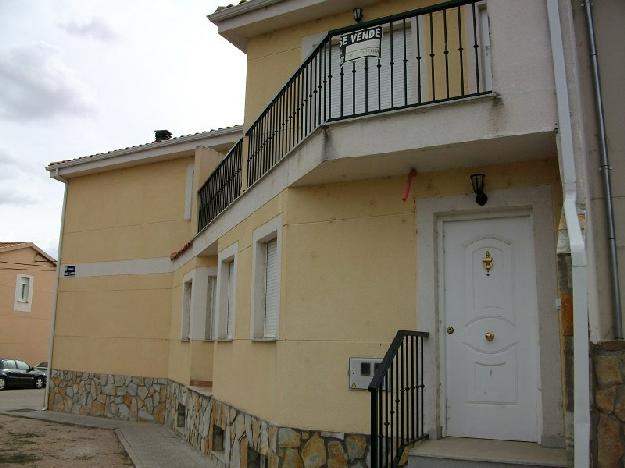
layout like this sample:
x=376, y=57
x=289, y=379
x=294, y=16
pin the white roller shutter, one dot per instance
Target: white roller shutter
x=230, y=307
x=272, y=294
x=210, y=308
x=379, y=88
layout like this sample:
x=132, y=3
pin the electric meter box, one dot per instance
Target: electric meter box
x=361, y=371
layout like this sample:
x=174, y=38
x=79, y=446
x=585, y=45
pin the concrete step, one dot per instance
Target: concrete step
x=455, y=452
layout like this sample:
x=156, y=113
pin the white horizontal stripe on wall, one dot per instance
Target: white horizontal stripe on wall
x=144, y=266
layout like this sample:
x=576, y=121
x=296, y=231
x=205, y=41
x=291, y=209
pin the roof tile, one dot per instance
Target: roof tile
x=145, y=146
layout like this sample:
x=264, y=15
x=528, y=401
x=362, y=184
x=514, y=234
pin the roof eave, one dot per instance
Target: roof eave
x=240, y=9
x=170, y=149
x=24, y=245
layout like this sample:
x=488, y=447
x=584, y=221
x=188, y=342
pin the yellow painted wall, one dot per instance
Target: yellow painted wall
x=120, y=324
x=25, y=335
x=129, y=213
x=130, y=324
x=348, y=284
x=114, y=324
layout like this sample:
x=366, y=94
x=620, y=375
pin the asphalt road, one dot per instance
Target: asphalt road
x=16, y=399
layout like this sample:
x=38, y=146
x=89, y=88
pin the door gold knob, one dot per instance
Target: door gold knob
x=490, y=336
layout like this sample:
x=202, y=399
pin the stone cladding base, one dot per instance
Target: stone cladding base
x=231, y=437
x=608, y=359
x=113, y=396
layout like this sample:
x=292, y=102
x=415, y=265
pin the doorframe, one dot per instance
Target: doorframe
x=537, y=201
x=509, y=213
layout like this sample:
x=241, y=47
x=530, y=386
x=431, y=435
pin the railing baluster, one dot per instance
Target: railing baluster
x=401, y=364
x=381, y=391
x=412, y=389
x=460, y=51
x=421, y=385
x=366, y=84
x=419, y=58
x=353, y=88
x=446, y=51
x=306, y=109
x=311, y=96
x=314, y=92
x=405, y=66
x=341, y=74
x=391, y=64
x=387, y=444
x=432, y=54
x=374, y=426
x=379, y=66
x=392, y=421
x=325, y=86
x=330, y=78
x=319, y=88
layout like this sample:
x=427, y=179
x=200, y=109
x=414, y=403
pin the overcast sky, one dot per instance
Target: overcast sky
x=79, y=77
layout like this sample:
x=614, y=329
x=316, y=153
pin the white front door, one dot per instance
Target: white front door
x=489, y=319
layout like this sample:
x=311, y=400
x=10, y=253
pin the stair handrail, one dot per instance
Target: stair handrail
x=387, y=447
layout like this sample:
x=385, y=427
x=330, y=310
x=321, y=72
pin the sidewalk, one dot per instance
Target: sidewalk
x=148, y=445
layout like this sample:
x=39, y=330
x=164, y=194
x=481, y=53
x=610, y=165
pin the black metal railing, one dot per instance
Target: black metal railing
x=428, y=55
x=397, y=399
x=222, y=187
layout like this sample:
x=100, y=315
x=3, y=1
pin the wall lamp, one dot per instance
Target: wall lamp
x=477, y=181
x=357, y=15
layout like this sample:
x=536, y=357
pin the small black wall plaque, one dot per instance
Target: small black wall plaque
x=70, y=270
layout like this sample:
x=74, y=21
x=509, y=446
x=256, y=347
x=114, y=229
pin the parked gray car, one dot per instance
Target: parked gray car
x=15, y=373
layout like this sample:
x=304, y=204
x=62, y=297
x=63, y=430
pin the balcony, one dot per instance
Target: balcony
x=429, y=56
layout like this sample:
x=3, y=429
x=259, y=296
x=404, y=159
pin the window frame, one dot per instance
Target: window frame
x=272, y=230
x=225, y=330
x=200, y=318
x=20, y=304
x=187, y=307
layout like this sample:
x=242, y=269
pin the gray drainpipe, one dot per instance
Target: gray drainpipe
x=57, y=176
x=605, y=177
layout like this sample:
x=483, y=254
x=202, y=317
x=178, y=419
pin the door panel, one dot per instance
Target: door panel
x=491, y=354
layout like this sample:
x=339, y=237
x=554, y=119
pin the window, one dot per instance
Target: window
x=23, y=293
x=8, y=364
x=266, y=280
x=229, y=299
x=226, y=293
x=485, y=50
x=187, y=291
x=211, y=283
x=272, y=288
x=198, y=303
x=21, y=365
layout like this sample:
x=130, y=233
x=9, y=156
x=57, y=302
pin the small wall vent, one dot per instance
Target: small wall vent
x=181, y=415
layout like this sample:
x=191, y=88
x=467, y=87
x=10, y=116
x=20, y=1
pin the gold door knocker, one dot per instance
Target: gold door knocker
x=489, y=335
x=487, y=262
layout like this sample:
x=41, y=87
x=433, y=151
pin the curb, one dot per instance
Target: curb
x=128, y=448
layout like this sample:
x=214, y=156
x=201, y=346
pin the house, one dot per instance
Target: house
x=411, y=207
x=27, y=279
